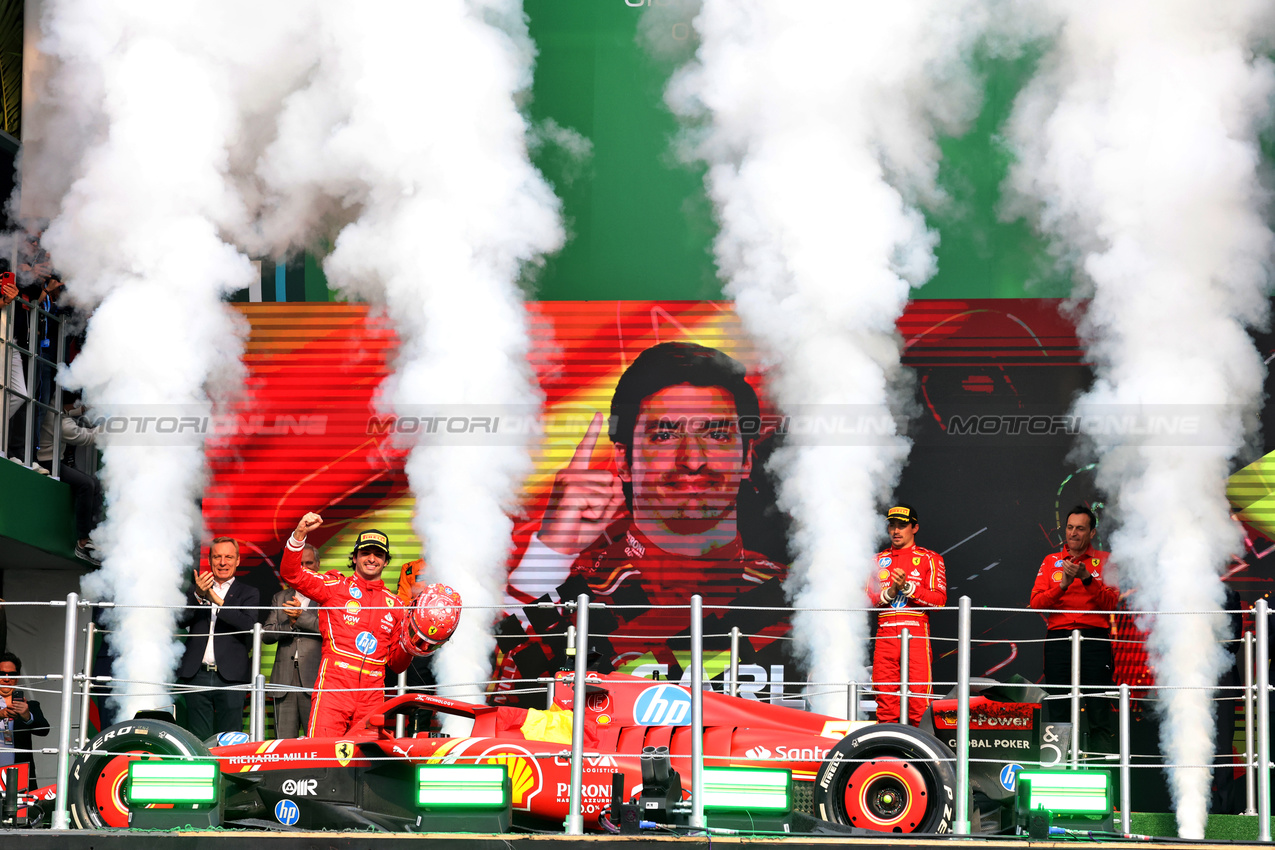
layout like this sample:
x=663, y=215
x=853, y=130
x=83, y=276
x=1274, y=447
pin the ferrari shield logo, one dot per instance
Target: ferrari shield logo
x=916, y=562
x=344, y=752
x=1094, y=561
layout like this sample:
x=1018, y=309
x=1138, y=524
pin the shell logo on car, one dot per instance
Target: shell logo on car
x=524, y=773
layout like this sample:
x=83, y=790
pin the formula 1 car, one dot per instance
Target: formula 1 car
x=881, y=777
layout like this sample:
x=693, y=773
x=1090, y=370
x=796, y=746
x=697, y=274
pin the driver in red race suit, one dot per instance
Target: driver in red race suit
x=365, y=628
x=908, y=578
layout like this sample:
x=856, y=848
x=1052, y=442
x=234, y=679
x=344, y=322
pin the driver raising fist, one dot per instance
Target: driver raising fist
x=364, y=627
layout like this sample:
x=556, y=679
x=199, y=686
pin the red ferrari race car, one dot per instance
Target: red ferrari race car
x=882, y=777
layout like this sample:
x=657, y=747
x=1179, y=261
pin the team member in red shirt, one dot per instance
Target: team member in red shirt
x=365, y=628
x=1070, y=581
x=909, y=578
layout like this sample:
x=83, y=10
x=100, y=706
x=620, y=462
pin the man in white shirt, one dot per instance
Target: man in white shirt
x=220, y=614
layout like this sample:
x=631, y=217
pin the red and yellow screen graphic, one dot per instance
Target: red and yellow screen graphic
x=309, y=434
x=670, y=498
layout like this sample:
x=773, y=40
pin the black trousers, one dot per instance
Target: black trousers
x=87, y=493
x=212, y=711
x=1096, y=667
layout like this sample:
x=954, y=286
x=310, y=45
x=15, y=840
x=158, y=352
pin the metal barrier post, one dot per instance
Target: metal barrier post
x=1250, y=790
x=1125, y=790
x=961, y=823
x=56, y=465
x=852, y=701
x=32, y=349
x=259, y=697
x=1075, y=697
x=1263, y=723
x=86, y=692
x=400, y=722
x=549, y=693
x=697, y=712
x=575, y=815
x=256, y=710
x=733, y=687
x=61, y=815
x=904, y=657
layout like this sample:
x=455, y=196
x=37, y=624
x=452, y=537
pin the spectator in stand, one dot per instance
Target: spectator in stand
x=20, y=719
x=16, y=382
x=84, y=485
x=47, y=342
x=294, y=624
x=216, y=658
x=20, y=358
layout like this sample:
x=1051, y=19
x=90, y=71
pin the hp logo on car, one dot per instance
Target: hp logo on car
x=287, y=812
x=1009, y=776
x=230, y=739
x=663, y=705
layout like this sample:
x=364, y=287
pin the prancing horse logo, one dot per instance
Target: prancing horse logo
x=344, y=752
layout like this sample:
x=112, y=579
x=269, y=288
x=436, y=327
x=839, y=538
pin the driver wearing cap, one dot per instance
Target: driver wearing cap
x=365, y=629
x=907, y=580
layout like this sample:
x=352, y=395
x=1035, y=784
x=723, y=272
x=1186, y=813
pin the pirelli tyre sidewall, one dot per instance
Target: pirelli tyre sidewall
x=136, y=736
x=887, y=778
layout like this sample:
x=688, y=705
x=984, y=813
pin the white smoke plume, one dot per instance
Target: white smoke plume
x=147, y=90
x=818, y=120
x=409, y=131
x=1138, y=142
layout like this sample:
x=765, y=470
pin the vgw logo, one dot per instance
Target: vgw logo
x=663, y=705
x=286, y=812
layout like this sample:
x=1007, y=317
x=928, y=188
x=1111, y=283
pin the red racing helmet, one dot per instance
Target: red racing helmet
x=431, y=619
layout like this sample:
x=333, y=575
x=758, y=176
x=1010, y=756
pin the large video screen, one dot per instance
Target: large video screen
x=309, y=435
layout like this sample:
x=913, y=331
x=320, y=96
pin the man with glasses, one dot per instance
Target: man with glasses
x=20, y=719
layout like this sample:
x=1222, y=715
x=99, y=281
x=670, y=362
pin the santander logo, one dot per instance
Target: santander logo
x=758, y=753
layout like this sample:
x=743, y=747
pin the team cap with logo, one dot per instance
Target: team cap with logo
x=373, y=539
x=903, y=513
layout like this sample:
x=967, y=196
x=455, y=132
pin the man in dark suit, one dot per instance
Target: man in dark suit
x=19, y=719
x=220, y=616
x=294, y=623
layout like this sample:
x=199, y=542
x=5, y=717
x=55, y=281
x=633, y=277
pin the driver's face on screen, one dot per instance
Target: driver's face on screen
x=688, y=459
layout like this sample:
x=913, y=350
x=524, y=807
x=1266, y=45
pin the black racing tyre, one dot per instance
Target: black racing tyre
x=888, y=778
x=95, y=787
